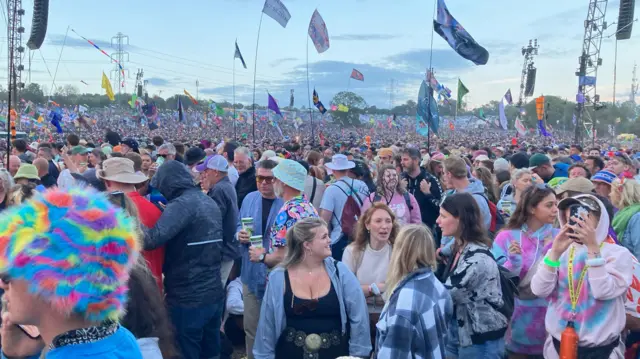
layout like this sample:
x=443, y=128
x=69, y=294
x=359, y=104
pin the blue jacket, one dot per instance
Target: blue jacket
x=254, y=275
x=414, y=322
x=353, y=308
x=120, y=345
x=224, y=194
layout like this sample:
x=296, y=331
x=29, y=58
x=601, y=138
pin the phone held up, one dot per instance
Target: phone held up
x=579, y=211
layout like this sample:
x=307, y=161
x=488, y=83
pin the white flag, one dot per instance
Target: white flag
x=503, y=117
x=520, y=127
x=277, y=11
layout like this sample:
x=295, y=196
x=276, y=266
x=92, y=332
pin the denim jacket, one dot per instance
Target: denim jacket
x=254, y=275
x=353, y=308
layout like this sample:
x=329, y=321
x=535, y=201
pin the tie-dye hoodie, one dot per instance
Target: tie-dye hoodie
x=600, y=312
x=526, y=333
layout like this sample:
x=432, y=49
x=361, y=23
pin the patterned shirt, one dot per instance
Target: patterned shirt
x=293, y=210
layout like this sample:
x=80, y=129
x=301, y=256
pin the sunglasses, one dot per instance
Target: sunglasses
x=163, y=156
x=265, y=179
x=5, y=278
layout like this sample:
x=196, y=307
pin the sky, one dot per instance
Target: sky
x=179, y=43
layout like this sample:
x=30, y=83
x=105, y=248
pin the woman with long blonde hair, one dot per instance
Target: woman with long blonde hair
x=312, y=306
x=625, y=196
x=417, y=325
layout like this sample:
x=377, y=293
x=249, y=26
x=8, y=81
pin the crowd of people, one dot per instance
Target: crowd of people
x=152, y=248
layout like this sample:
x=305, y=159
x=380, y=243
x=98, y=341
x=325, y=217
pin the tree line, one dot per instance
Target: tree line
x=624, y=116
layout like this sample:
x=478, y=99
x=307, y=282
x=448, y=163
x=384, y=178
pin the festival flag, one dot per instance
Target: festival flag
x=55, y=117
x=503, y=116
x=357, y=75
x=273, y=105
x=522, y=130
x=343, y=108
x=451, y=126
x=134, y=97
x=457, y=37
x=84, y=82
x=508, y=97
x=318, y=32
x=334, y=108
x=317, y=103
x=104, y=53
x=153, y=126
x=540, y=112
x=238, y=55
x=195, y=102
x=55, y=104
x=180, y=110
x=291, y=99
x=481, y=113
x=276, y=10
x=462, y=90
x=427, y=111
x=106, y=85
x=573, y=119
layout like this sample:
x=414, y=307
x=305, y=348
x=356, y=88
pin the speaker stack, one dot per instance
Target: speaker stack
x=531, y=82
x=625, y=19
x=39, y=24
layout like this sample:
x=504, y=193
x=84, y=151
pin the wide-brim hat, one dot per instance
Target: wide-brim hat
x=340, y=163
x=121, y=170
x=578, y=184
x=27, y=171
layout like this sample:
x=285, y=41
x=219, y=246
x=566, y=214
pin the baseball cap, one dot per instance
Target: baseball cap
x=578, y=184
x=604, y=176
x=215, y=162
x=80, y=150
x=538, y=159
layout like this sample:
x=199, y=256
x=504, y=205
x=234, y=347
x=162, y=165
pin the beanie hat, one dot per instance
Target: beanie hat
x=75, y=250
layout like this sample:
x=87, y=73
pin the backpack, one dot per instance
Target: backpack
x=509, y=286
x=350, y=212
x=497, y=219
x=407, y=200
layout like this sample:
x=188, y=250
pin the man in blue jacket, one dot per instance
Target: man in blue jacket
x=262, y=206
x=191, y=229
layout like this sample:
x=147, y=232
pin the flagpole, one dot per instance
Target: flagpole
x=435, y=7
x=348, y=83
x=234, y=93
x=313, y=139
x=255, y=70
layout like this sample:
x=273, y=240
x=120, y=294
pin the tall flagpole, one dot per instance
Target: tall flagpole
x=313, y=138
x=234, y=93
x=255, y=70
x=429, y=93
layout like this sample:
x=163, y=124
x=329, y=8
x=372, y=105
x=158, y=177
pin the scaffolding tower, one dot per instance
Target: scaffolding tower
x=587, y=73
x=119, y=42
x=529, y=52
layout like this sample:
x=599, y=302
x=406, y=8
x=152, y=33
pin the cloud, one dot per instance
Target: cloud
x=281, y=61
x=418, y=60
x=364, y=37
x=156, y=81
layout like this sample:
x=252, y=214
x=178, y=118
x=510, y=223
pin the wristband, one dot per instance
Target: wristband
x=374, y=288
x=551, y=263
x=596, y=262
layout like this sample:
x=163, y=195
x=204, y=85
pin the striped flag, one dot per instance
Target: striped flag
x=190, y=97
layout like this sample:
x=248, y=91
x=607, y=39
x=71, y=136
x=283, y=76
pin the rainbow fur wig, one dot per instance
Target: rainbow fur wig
x=74, y=248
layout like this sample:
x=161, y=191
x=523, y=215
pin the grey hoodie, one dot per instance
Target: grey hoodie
x=476, y=189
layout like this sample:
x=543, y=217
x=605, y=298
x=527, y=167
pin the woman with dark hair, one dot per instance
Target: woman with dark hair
x=146, y=317
x=473, y=279
x=392, y=192
x=520, y=247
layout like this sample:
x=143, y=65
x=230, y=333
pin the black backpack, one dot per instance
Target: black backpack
x=509, y=286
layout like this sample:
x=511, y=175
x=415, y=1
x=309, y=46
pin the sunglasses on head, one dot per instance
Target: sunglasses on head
x=265, y=179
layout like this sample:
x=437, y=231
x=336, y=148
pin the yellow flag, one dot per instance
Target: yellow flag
x=106, y=85
x=343, y=108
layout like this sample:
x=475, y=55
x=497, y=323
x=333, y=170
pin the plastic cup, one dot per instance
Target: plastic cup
x=256, y=241
x=247, y=225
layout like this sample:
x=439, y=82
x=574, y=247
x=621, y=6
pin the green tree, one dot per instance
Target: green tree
x=354, y=102
x=33, y=92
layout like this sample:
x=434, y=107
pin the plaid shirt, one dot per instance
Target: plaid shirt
x=414, y=322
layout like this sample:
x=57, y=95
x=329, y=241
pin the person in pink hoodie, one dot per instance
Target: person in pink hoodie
x=392, y=192
x=585, y=280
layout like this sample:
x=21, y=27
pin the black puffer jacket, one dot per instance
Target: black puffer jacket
x=429, y=203
x=246, y=184
x=191, y=228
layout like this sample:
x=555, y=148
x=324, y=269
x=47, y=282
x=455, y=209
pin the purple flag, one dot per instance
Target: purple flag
x=508, y=97
x=273, y=105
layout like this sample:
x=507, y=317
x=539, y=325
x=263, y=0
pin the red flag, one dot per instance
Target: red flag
x=357, y=75
x=451, y=126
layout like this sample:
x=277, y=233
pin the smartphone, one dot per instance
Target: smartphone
x=30, y=330
x=577, y=210
x=160, y=161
